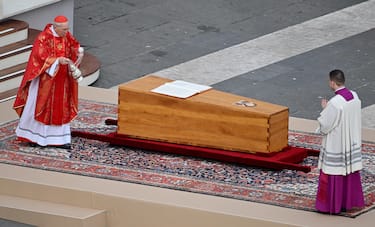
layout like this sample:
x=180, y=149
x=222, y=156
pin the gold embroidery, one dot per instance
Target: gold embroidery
x=59, y=46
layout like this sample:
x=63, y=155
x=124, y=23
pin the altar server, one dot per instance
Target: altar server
x=340, y=159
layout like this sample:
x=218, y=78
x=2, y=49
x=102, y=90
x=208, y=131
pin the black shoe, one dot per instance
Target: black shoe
x=31, y=144
x=66, y=146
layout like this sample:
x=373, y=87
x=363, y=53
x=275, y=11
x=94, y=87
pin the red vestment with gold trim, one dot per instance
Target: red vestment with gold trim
x=57, y=98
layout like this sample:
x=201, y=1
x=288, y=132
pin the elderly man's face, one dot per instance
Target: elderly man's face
x=62, y=28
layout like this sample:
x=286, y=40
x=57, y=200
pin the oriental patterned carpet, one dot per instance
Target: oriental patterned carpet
x=286, y=188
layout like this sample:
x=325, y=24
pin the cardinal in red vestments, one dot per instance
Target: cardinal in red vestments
x=47, y=99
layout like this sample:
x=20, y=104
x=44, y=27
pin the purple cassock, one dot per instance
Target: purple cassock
x=338, y=193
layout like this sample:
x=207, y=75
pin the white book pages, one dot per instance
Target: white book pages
x=188, y=85
x=180, y=89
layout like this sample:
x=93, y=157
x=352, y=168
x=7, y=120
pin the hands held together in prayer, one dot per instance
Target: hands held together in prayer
x=324, y=103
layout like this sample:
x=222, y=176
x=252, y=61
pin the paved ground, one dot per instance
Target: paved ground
x=6, y=223
x=262, y=49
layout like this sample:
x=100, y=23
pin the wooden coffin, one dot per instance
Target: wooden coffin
x=208, y=119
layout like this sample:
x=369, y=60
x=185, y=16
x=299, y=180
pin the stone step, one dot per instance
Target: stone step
x=12, y=31
x=10, y=78
x=90, y=68
x=17, y=52
x=47, y=214
x=8, y=94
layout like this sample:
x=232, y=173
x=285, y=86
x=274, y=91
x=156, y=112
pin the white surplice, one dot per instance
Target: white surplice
x=340, y=123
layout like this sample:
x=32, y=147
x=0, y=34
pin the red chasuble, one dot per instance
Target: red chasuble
x=57, y=98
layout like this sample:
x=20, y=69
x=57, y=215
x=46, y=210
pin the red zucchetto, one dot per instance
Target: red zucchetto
x=61, y=19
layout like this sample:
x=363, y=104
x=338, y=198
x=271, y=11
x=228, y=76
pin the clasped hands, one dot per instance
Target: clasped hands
x=323, y=103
